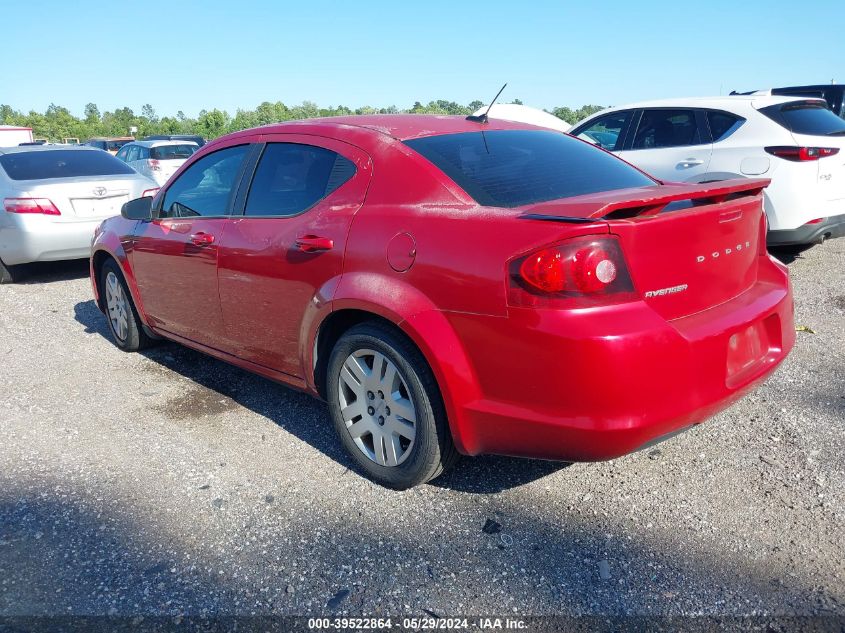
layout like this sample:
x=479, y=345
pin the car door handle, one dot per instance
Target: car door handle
x=314, y=243
x=690, y=162
x=202, y=239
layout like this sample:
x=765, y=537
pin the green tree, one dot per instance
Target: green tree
x=212, y=124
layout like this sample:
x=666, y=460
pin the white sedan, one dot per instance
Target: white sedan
x=157, y=160
x=797, y=142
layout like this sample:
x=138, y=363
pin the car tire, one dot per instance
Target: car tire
x=122, y=316
x=7, y=273
x=371, y=369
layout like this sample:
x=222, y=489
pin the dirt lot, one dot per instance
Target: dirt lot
x=170, y=483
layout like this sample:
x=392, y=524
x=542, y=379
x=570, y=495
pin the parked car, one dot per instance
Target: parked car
x=524, y=114
x=53, y=198
x=196, y=138
x=449, y=286
x=833, y=94
x=794, y=142
x=157, y=160
x=110, y=145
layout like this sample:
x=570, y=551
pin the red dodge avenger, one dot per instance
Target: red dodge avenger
x=455, y=286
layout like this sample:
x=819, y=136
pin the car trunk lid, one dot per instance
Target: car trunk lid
x=688, y=247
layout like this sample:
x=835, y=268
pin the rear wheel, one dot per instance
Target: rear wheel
x=7, y=273
x=124, y=323
x=386, y=407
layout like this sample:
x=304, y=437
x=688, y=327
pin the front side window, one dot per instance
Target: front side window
x=205, y=189
x=512, y=168
x=606, y=131
x=291, y=178
x=666, y=128
x=61, y=163
x=723, y=124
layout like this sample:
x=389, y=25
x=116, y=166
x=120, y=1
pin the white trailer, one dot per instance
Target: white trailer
x=12, y=136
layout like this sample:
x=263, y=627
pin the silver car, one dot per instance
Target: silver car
x=157, y=160
x=53, y=199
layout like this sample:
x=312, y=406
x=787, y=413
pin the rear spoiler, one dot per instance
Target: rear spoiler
x=668, y=197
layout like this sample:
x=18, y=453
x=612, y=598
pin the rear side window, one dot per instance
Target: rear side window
x=113, y=146
x=291, y=178
x=511, y=168
x=62, y=163
x=666, y=128
x=606, y=131
x=806, y=117
x=723, y=124
x=205, y=189
x=167, y=152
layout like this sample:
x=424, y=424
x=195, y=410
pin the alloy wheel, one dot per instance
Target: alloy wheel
x=377, y=407
x=117, y=305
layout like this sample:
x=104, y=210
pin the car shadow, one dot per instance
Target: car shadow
x=788, y=254
x=300, y=414
x=50, y=272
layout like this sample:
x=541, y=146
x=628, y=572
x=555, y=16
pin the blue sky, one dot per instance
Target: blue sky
x=185, y=55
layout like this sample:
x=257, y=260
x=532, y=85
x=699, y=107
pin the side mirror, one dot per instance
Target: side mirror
x=138, y=209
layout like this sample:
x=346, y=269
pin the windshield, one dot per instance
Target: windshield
x=62, y=163
x=806, y=117
x=167, y=152
x=512, y=168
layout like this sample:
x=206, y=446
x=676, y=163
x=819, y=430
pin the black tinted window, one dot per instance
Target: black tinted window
x=511, y=168
x=166, y=152
x=666, y=128
x=606, y=131
x=113, y=146
x=62, y=163
x=290, y=178
x=206, y=187
x=806, y=118
x=722, y=124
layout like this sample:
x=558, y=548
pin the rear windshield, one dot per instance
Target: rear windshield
x=806, y=118
x=511, y=168
x=166, y=152
x=62, y=163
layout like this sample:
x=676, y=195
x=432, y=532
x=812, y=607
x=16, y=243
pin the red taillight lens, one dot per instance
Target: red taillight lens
x=816, y=221
x=580, y=271
x=150, y=193
x=801, y=154
x=30, y=205
x=154, y=164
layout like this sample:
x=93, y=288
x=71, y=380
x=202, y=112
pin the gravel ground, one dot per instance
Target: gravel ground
x=169, y=483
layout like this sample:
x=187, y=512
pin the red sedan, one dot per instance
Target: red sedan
x=455, y=286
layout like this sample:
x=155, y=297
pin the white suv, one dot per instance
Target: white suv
x=796, y=142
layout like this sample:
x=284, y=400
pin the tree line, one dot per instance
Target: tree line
x=58, y=123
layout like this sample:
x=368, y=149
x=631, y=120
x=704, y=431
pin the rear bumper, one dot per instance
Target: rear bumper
x=603, y=383
x=828, y=228
x=36, y=239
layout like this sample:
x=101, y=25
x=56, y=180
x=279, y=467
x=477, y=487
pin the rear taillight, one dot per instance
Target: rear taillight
x=150, y=193
x=154, y=164
x=576, y=273
x=30, y=205
x=801, y=154
x=816, y=221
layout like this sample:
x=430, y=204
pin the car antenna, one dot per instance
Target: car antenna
x=482, y=118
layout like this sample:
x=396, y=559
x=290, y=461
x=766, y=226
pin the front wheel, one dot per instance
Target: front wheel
x=386, y=407
x=124, y=323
